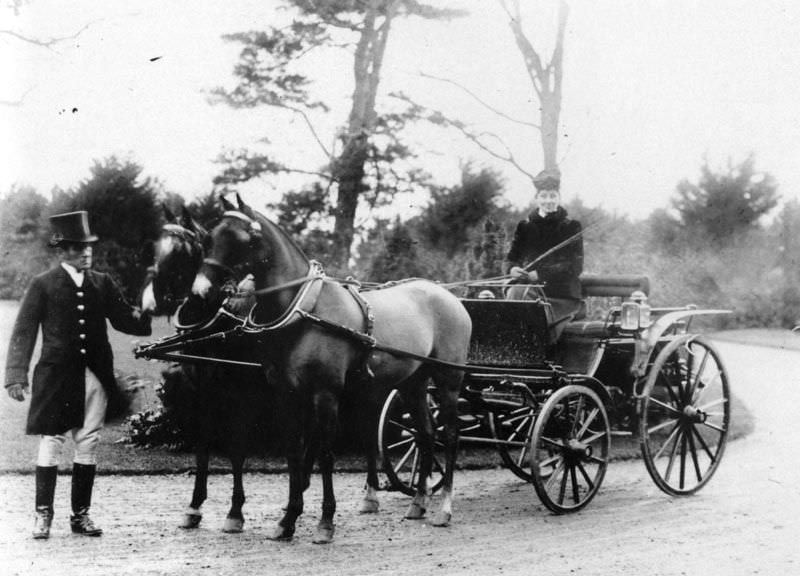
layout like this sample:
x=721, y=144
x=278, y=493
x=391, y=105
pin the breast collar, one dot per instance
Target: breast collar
x=305, y=300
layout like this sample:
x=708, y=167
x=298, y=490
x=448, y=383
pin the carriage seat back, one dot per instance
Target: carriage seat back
x=620, y=285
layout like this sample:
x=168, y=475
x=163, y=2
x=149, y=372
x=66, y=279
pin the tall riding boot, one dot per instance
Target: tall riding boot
x=45, y=491
x=82, y=484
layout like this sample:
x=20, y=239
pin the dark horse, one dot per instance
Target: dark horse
x=309, y=327
x=222, y=405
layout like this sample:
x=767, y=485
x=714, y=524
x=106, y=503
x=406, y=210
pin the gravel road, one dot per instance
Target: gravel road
x=744, y=522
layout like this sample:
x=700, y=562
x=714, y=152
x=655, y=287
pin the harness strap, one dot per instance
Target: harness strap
x=369, y=319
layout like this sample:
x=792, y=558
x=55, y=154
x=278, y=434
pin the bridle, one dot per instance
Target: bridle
x=195, y=250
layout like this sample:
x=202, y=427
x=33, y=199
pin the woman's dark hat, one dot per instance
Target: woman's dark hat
x=71, y=227
x=549, y=179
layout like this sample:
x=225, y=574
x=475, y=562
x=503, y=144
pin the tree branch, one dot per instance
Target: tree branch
x=44, y=43
x=481, y=102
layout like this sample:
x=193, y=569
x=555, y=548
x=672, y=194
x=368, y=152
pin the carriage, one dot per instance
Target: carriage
x=548, y=392
x=552, y=405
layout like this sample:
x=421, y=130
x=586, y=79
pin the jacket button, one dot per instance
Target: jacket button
x=81, y=321
x=80, y=294
x=81, y=307
x=82, y=336
x=83, y=351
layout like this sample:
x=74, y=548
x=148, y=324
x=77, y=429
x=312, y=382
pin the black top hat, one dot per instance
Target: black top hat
x=548, y=180
x=71, y=227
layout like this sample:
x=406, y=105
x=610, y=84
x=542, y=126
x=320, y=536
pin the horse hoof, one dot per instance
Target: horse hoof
x=233, y=525
x=369, y=506
x=191, y=519
x=324, y=535
x=281, y=534
x=415, y=512
x=441, y=519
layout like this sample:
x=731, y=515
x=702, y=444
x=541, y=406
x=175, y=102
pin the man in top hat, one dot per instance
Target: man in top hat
x=74, y=377
x=546, y=227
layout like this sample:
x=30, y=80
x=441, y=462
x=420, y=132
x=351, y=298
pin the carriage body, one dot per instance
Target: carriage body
x=551, y=404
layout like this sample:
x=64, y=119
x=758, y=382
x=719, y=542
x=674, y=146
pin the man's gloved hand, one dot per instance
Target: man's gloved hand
x=17, y=391
x=518, y=272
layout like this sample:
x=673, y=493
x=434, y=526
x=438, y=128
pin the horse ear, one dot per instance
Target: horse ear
x=186, y=218
x=226, y=204
x=244, y=208
x=168, y=213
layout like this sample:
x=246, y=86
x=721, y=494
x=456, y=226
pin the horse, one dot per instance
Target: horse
x=222, y=404
x=317, y=335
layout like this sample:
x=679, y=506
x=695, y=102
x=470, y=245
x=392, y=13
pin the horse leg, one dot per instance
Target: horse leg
x=370, y=504
x=193, y=515
x=326, y=409
x=293, y=424
x=449, y=385
x=416, y=392
x=234, y=522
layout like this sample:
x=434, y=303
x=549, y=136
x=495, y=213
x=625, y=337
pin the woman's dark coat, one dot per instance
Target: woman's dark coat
x=74, y=337
x=560, y=270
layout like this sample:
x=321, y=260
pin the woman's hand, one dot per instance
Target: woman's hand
x=518, y=272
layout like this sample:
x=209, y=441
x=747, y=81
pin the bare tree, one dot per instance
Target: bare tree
x=545, y=76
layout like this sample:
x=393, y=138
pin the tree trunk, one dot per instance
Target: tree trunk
x=546, y=80
x=349, y=169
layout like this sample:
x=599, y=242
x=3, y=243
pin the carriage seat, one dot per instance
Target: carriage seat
x=603, y=286
x=613, y=285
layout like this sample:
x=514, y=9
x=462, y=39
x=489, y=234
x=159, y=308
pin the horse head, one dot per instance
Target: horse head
x=248, y=251
x=178, y=255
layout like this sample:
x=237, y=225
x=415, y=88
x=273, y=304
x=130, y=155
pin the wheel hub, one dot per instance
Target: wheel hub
x=693, y=414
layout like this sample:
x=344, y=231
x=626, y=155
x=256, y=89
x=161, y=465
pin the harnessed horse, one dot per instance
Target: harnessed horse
x=225, y=403
x=317, y=335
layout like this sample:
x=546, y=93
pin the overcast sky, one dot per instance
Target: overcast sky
x=651, y=89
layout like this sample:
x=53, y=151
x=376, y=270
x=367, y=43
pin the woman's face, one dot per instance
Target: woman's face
x=548, y=201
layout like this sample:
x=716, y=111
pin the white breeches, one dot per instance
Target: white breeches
x=87, y=437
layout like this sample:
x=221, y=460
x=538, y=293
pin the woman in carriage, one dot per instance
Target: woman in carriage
x=534, y=258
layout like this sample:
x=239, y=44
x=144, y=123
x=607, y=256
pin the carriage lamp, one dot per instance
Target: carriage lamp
x=635, y=313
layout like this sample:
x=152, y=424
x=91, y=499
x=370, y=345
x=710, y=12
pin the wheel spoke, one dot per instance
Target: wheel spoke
x=403, y=427
x=578, y=412
x=588, y=422
x=556, y=472
x=699, y=373
x=585, y=476
x=672, y=454
x=683, y=461
x=403, y=442
x=574, y=478
x=523, y=451
x=594, y=437
x=668, y=386
x=707, y=385
x=712, y=457
x=672, y=409
x=668, y=440
x=711, y=404
x=548, y=461
x=664, y=424
x=562, y=490
x=552, y=442
x=719, y=429
x=695, y=461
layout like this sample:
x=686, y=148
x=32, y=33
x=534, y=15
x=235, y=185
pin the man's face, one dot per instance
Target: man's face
x=548, y=200
x=77, y=255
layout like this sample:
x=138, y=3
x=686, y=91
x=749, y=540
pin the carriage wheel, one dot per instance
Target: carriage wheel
x=513, y=429
x=399, y=450
x=569, y=448
x=684, y=415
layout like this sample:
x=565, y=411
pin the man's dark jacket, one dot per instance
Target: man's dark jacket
x=560, y=270
x=74, y=337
